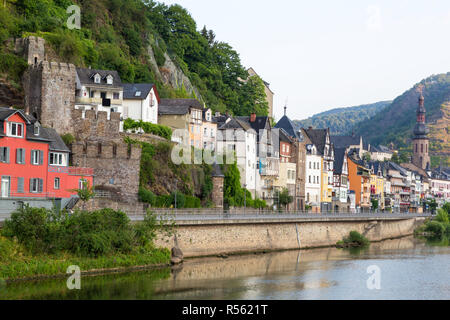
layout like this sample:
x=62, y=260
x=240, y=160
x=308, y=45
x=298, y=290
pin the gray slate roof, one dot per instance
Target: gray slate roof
x=130, y=90
x=46, y=135
x=86, y=77
x=339, y=155
x=345, y=141
x=178, y=106
x=286, y=124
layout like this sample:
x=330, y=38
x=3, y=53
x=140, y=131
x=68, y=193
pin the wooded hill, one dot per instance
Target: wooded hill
x=339, y=120
x=145, y=41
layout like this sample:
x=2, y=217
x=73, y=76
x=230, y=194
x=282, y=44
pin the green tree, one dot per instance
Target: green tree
x=283, y=197
x=233, y=192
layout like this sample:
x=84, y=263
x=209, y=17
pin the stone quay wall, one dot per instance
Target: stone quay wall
x=197, y=239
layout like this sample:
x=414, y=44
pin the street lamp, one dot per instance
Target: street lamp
x=245, y=197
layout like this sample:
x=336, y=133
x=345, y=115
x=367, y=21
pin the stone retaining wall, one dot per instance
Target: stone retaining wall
x=215, y=239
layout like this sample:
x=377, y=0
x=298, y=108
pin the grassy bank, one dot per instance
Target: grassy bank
x=39, y=242
x=439, y=227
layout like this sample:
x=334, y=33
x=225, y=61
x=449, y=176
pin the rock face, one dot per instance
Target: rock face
x=10, y=96
x=177, y=256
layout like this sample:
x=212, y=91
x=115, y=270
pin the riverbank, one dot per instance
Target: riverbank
x=20, y=265
x=37, y=243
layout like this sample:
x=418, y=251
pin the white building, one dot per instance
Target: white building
x=209, y=131
x=140, y=102
x=98, y=90
x=237, y=137
x=313, y=177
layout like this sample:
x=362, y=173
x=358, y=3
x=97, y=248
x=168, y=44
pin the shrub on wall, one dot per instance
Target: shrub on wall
x=150, y=128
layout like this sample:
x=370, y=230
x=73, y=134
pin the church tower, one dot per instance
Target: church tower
x=421, y=143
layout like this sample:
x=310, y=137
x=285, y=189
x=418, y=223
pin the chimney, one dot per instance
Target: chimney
x=253, y=117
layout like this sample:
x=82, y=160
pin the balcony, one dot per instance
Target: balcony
x=72, y=171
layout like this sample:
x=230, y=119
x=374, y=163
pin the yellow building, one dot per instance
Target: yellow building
x=326, y=189
x=185, y=116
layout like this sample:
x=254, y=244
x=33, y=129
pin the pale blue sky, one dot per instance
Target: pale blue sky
x=324, y=54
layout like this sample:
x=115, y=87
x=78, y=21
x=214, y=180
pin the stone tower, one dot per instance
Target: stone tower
x=31, y=49
x=421, y=143
x=49, y=87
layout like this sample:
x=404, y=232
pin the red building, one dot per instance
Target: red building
x=34, y=161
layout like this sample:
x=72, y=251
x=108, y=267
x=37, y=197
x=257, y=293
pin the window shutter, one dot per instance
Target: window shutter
x=41, y=185
x=31, y=185
x=7, y=155
x=20, y=185
x=31, y=156
x=1, y=154
x=18, y=156
x=41, y=157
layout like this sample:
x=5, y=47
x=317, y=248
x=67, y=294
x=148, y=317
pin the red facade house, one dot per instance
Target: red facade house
x=34, y=161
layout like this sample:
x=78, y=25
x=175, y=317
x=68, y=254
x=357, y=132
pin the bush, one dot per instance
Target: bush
x=354, y=239
x=32, y=227
x=442, y=217
x=436, y=228
x=147, y=196
x=84, y=233
x=147, y=127
x=193, y=203
x=181, y=199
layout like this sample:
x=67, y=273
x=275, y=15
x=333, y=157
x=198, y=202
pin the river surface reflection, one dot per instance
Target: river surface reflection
x=410, y=269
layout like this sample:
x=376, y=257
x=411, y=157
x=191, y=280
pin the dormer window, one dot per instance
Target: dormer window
x=97, y=78
x=109, y=79
x=37, y=128
x=15, y=129
x=138, y=93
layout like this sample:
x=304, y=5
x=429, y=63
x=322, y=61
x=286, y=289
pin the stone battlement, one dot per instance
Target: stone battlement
x=90, y=125
x=105, y=150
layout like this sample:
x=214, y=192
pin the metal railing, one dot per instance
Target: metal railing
x=251, y=214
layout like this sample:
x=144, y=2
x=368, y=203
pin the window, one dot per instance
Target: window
x=20, y=185
x=92, y=95
x=36, y=185
x=97, y=78
x=309, y=179
x=206, y=132
x=4, y=154
x=116, y=95
x=37, y=157
x=310, y=165
x=82, y=184
x=20, y=156
x=204, y=145
x=212, y=133
x=57, y=184
x=15, y=130
x=138, y=93
x=58, y=159
x=109, y=79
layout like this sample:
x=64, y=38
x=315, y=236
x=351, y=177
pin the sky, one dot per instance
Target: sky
x=323, y=54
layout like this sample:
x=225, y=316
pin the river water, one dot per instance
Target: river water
x=404, y=269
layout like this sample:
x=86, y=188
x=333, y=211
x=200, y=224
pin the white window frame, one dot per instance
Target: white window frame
x=60, y=157
x=16, y=125
x=57, y=183
x=97, y=79
x=35, y=157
